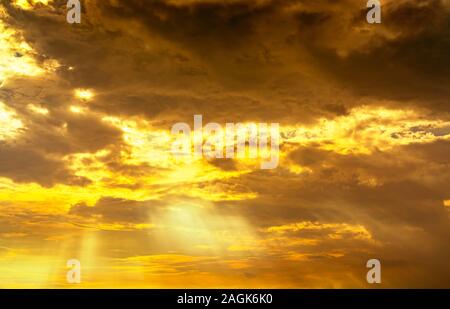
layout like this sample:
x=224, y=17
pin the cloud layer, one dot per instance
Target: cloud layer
x=86, y=170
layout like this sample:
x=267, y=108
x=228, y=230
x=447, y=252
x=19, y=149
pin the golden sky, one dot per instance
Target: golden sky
x=87, y=173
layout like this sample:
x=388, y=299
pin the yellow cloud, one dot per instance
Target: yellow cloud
x=29, y=4
x=10, y=125
x=366, y=129
x=337, y=229
x=84, y=94
x=38, y=109
x=17, y=57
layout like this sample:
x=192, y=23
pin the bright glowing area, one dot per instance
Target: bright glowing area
x=29, y=4
x=84, y=94
x=336, y=229
x=77, y=109
x=38, y=109
x=447, y=203
x=366, y=129
x=9, y=123
x=16, y=57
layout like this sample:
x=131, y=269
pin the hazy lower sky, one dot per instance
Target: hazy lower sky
x=87, y=173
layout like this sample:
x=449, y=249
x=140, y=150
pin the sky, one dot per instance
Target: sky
x=87, y=171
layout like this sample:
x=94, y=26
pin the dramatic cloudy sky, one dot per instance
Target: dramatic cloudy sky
x=86, y=170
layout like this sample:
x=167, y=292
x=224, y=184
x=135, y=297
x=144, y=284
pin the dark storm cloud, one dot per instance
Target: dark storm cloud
x=403, y=210
x=274, y=52
x=117, y=210
x=404, y=58
x=282, y=56
x=23, y=164
x=261, y=46
x=346, y=186
x=224, y=164
x=38, y=153
x=164, y=73
x=287, y=61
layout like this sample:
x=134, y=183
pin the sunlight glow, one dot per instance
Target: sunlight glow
x=29, y=4
x=16, y=56
x=38, y=109
x=84, y=94
x=10, y=125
